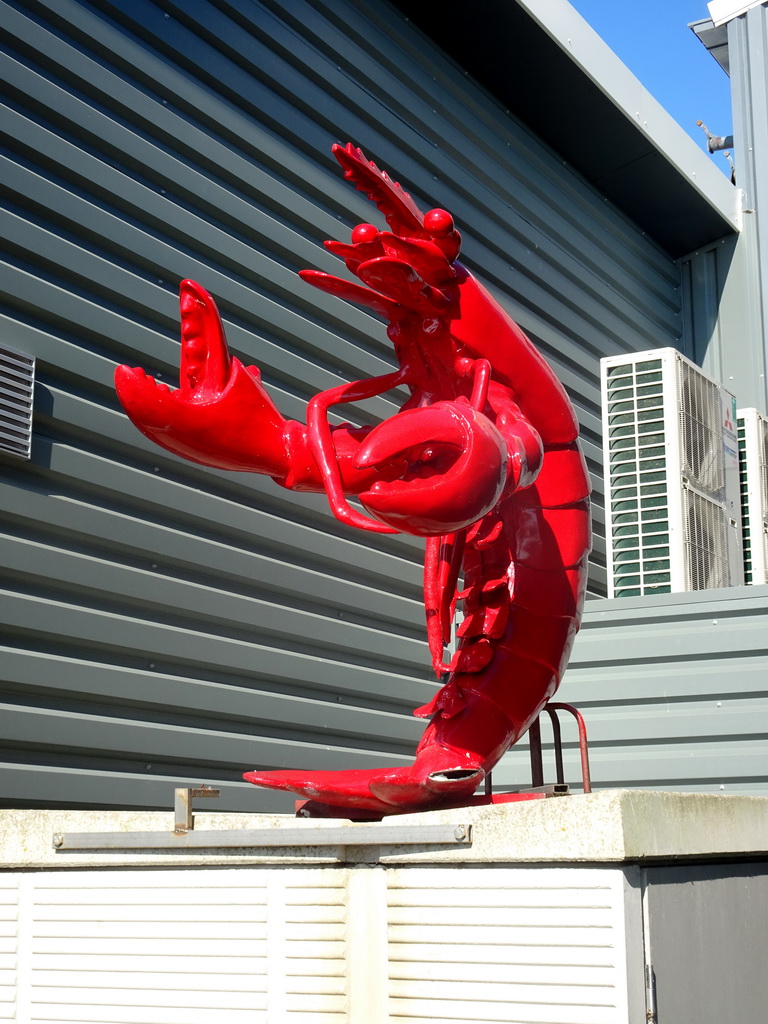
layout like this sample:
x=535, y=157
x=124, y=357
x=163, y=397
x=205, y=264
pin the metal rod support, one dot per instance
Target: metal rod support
x=344, y=835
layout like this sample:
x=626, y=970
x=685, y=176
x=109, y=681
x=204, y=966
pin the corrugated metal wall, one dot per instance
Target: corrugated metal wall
x=674, y=691
x=161, y=621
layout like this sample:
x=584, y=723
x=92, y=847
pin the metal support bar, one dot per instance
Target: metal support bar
x=586, y=779
x=184, y=836
x=557, y=737
x=184, y=820
x=534, y=742
x=343, y=835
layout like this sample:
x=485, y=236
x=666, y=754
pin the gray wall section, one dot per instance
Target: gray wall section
x=708, y=936
x=674, y=692
x=725, y=284
x=748, y=56
x=163, y=622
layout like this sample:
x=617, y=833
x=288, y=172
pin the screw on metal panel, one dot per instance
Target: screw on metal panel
x=58, y=839
x=460, y=833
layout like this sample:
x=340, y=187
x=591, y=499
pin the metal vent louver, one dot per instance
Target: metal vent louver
x=753, y=480
x=701, y=430
x=706, y=542
x=17, y=379
x=637, y=454
x=673, y=519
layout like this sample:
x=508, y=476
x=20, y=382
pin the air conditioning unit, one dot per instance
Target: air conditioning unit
x=753, y=471
x=672, y=476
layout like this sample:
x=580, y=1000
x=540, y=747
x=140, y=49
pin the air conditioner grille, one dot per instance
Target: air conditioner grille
x=746, y=532
x=703, y=458
x=636, y=444
x=753, y=484
x=706, y=541
x=17, y=379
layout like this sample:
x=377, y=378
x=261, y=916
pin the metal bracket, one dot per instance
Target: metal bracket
x=182, y=806
x=534, y=734
x=185, y=837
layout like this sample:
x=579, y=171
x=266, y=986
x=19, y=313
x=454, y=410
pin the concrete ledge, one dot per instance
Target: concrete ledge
x=613, y=826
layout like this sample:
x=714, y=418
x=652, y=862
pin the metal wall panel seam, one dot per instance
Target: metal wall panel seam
x=348, y=98
x=162, y=501
x=691, y=679
x=45, y=785
x=31, y=663
x=158, y=646
x=195, y=741
x=657, y=722
x=531, y=170
x=97, y=276
x=138, y=250
x=145, y=594
x=380, y=29
x=179, y=555
x=36, y=675
x=163, y=743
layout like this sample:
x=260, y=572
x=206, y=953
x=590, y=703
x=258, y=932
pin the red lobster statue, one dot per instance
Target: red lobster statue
x=482, y=460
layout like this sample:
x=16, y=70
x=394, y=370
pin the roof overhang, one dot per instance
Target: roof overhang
x=546, y=65
x=715, y=38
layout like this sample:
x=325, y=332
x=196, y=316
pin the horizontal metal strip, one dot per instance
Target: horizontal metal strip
x=36, y=676
x=388, y=834
x=383, y=46
x=556, y=291
x=670, y=761
x=307, y=62
x=201, y=247
x=164, y=551
x=443, y=127
x=205, y=749
x=43, y=786
x=132, y=291
x=168, y=501
x=666, y=680
x=260, y=152
x=145, y=594
x=653, y=723
x=633, y=644
x=714, y=607
x=142, y=644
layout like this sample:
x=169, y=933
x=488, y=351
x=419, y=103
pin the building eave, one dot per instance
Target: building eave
x=545, y=64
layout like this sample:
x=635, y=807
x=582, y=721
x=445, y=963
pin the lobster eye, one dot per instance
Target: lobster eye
x=364, y=233
x=439, y=223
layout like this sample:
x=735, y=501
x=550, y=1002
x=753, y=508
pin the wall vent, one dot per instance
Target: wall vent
x=753, y=474
x=674, y=520
x=17, y=381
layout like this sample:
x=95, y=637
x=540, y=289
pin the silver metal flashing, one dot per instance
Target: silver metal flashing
x=585, y=47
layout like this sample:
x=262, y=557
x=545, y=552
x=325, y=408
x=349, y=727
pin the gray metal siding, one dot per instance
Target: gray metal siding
x=161, y=621
x=708, y=926
x=674, y=692
x=747, y=49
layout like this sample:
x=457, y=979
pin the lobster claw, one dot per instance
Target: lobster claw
x=450, y=467
x=220, y=415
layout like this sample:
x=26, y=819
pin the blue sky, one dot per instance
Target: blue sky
x=653, y=40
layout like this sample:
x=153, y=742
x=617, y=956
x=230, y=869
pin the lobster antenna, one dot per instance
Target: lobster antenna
x=401, y=212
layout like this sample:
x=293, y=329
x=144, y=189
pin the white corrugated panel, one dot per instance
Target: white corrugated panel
x=507, y=944
x=230, y=946
x=9, y=934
